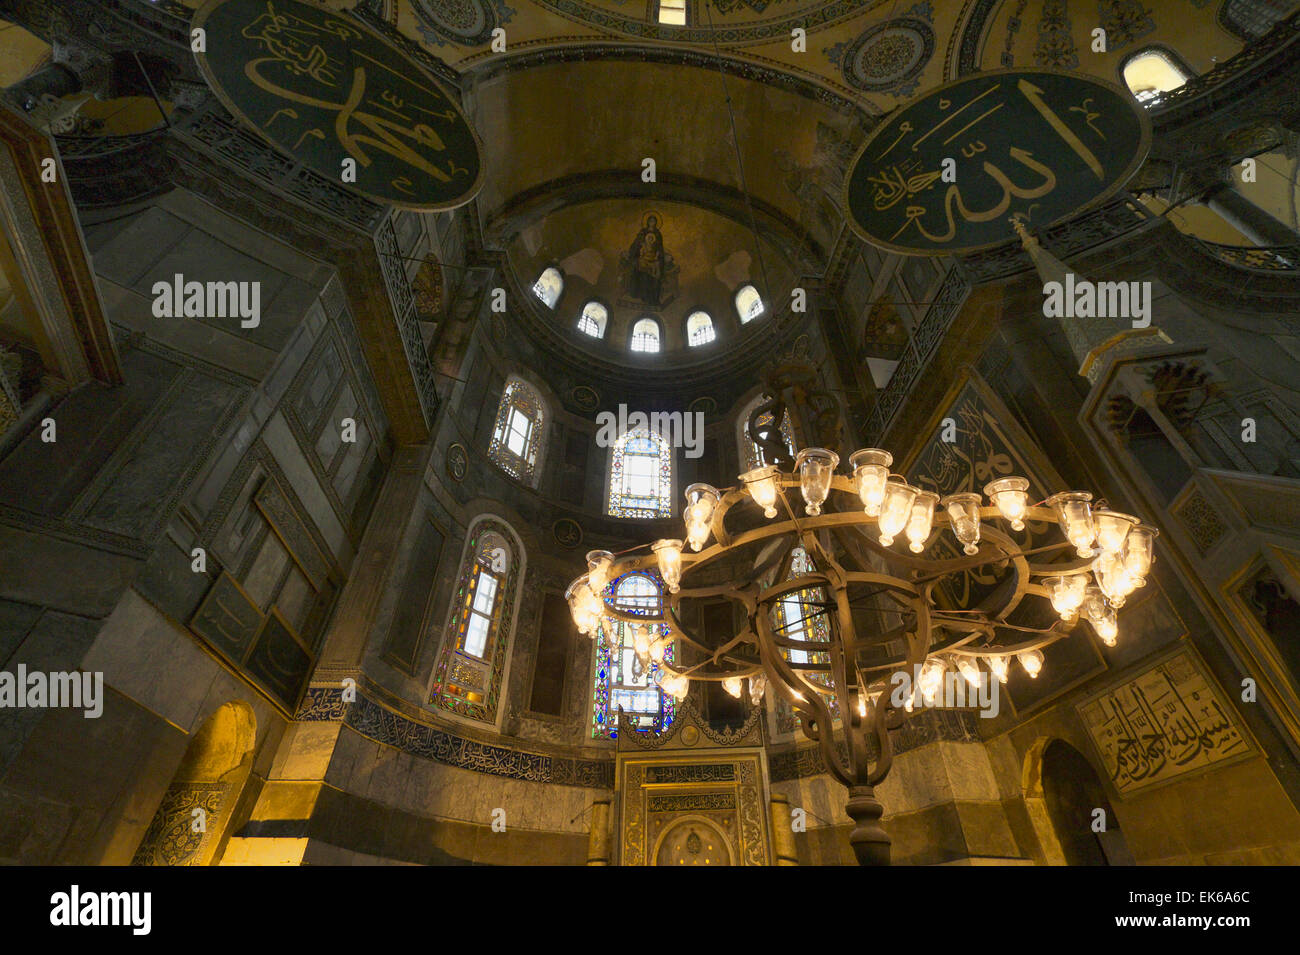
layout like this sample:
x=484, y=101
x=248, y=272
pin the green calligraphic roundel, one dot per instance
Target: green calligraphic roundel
x=952, y=170
x=341, y=100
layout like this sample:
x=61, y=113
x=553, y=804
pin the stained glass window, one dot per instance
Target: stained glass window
x=641, y=476
x=592, y=320
x=749, y=304
x=699, y=329
x=517, y=437
x=752, y=453
x=645, y=335
x=548, y=287
x=801, y=615
x=467, y=677
x=622, y=679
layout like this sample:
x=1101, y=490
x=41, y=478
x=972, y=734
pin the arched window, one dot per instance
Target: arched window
x=1151, y=72
x=471, y=665
x=645, y=335
x=750, y=452
x=548, y=286
x=749, y=304
x=593, y=318
x=517, y=437
x=699, y=329
x=624, y=677
x=641, y=476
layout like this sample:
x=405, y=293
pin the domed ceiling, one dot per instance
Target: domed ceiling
x=751, y=112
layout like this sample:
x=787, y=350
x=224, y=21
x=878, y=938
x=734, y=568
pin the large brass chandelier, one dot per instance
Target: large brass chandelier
x=883, y=622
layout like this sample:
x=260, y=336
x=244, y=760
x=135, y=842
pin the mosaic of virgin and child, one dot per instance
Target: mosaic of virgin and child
x=648, y=271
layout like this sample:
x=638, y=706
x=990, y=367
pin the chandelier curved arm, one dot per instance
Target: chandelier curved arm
x=813, y=712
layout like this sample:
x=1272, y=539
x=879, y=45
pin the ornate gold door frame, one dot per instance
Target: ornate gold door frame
x=705, y=808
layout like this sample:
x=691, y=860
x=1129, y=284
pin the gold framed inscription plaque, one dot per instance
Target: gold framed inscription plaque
x=339, y=98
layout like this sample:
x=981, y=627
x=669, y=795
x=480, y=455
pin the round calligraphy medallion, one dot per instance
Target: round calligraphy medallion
x=457, y=462
x=567, y=533
x=340, y=99
x=952, y=170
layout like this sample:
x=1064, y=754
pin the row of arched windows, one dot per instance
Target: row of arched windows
x=646, y=331
x=640, y=463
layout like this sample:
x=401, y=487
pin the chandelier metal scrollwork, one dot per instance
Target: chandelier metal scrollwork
x=884, y=621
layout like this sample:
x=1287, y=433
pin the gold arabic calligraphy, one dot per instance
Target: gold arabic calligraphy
x=903, y=180
x=1161, y=724
x=363, y=120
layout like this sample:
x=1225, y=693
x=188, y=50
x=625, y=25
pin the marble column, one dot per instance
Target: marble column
x=783, y=847
x=598, y=840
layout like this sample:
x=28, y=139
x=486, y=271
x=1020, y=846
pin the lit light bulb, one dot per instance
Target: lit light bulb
x=1068, y=594
x=1075, y=516
x=1139, y=552
x=1032, y=661
x=761, y=484
x=921, y=520
x=964, y=515
x=1113, y=578
x=1008, y=495
x=598, y=566
x=641, y=642
x=669, y=553
x=584, y=606
x=757, y=685
x=1112, y=528
x=701, y=499
x=896, y=509
x=657, y=648
x=999, y=666
x=697, y=532
x=675, y=686
x=870, y=472
x=1107, y=627
x=968, y=668
x=932, y=679
x=734, y=686
x=816, y=467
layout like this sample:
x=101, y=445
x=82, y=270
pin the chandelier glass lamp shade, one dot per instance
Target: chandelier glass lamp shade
x=701, y=499
x=598, y=562
x=875, y=635
x=1074, y=511
x=815, y=467
x=921, y=520
x=761, y=483
x=964, y=513
x=870, y=472
x=1139, y=551
x=1010, y=496
x=896, y=509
